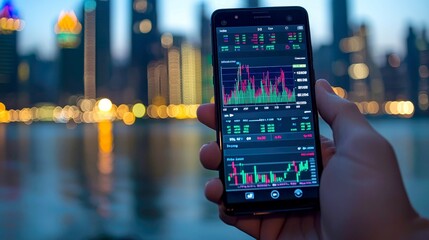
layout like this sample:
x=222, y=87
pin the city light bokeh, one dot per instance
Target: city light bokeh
x=171, y=74
x=98, y=102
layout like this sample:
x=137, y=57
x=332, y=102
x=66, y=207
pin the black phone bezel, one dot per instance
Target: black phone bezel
x=264, y=17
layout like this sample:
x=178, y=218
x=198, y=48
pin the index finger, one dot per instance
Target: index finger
x=206, y=115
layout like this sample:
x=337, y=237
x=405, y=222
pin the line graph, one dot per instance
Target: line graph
x=247, y=84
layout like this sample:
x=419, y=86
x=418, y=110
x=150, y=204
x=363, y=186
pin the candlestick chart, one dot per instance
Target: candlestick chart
x=287, y=173
x=247, y=84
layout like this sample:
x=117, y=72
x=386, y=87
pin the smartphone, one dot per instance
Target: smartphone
x=267, y=121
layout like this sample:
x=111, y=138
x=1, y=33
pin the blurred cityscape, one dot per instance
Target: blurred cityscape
x=168, y=75
x=130, y=175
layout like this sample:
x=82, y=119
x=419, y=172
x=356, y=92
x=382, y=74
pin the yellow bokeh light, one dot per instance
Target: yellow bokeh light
x=145, y=26
x=423, y=101
x=121, y=110
x=167, y=40
x=129, y=118
x=153, y=111
x=351, y=44
x=4, y=116
x=105, y=135
x=105, y=105
x=25, y=115
x=35, y=114
x=182, y=112
x=46, y=113
x=387, y=108
x=394, y=61
x=86, y=104
x=57, y=114
x=373, y=107
x=340, y=92
x=394, y=108
x=2, y=107
x=162, y=112
x=192, y=111
x=68, y=23
x=358, y=71
x=139, y=110
x=173, y=111
x=405, y=108
x=11, y=24
x=140, y=6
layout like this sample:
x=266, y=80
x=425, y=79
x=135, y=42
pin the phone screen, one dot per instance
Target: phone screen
x=268, y=130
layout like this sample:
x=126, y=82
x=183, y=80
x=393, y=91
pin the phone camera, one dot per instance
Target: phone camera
x=289, y=18
x=223, y=22
x=236, y=16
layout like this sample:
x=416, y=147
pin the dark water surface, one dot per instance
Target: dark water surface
x=146, y=182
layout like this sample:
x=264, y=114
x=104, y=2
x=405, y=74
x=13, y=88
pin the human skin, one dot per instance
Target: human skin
x=362, y=195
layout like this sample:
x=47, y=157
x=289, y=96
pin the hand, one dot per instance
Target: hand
x=361, y=194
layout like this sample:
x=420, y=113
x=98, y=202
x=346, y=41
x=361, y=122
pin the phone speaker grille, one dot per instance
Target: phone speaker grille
x=262, y=17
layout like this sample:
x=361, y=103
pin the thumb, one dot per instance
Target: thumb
x=341, y=114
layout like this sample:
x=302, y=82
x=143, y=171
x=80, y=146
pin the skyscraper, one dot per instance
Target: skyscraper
x=89, y=35
x=423, y=96
x=97, y=56
x=340, y=60
x=417, y=61
x=9, y=25
x=145, y=44
x=68, y=30
x=102, y=48
x=191, y=74
x=393, y=77
x=413, y=64
x=206, y=59
x=367, y=81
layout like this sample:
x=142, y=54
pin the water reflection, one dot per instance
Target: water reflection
x=137, y=182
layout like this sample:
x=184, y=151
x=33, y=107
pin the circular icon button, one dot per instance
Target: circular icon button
x=298, y=193
x=275, y=194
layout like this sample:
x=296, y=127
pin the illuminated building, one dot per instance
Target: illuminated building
x=393, y=77
x=39, y=78
x=174, y=76
x=417, y=61
x=157, y=83
x=413, y=63
x=89, y=49
x=97, y=56
x=206, y=57
x=173, y=61
x=68, y=30
x=145, y=46
x=423, y=95
x=367, y=83
x=102, y=47
x=340, y=60
x=191, y=74
x=10, y=24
